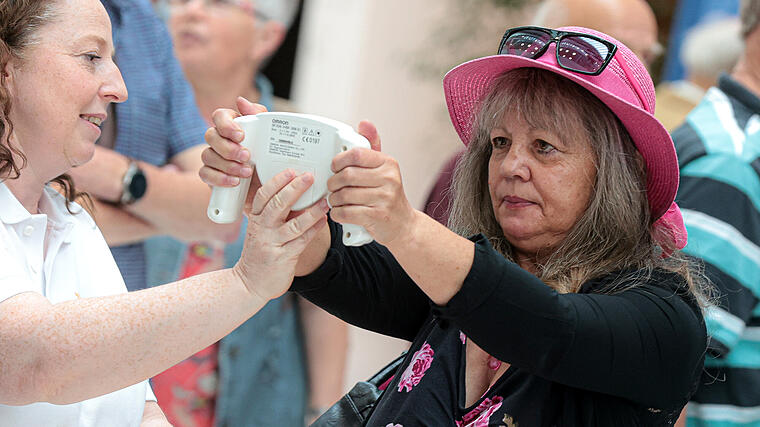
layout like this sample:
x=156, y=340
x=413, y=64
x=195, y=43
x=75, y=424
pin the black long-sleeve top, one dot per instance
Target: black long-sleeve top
x=581, y=359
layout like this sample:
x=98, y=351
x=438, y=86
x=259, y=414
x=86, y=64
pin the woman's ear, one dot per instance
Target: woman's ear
x=270, y=36
x=8, y=71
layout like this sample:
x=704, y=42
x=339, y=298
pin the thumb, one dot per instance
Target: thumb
x=369, y=131
x=247, y=108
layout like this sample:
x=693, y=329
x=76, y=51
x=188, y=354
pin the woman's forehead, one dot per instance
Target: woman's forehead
x=561, y=124
x=80, y=18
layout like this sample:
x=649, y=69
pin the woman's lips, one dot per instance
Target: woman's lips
x=93, y=127
x=189, y=38
x=516, y=202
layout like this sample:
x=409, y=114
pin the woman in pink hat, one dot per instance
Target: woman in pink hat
x=570, y=303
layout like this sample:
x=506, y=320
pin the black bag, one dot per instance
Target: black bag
x=355, y=408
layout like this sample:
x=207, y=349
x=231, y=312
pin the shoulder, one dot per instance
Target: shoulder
x=72, y=211
x=142, y=35
x=616, y=281
x=653, y=285
x=661, y=298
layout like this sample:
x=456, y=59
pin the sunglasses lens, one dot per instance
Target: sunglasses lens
x=583, y=54
x=527, y=43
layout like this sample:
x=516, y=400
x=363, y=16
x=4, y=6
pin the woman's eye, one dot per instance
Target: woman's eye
x=92, y=57
x=544, y=147
x=499, y=141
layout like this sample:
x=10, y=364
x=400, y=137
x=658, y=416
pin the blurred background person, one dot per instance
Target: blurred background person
x=687, y=14
x=708, y=50
x=275, y=363
x=630, y=21
x=135, y=196
x=719, y=153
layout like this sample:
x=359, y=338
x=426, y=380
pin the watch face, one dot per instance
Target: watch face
x=138, y=185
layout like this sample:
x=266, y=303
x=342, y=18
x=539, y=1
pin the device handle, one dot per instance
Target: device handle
x=355, y=235
x=226, y=203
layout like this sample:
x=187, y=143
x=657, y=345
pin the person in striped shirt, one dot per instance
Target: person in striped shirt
x=719, y=154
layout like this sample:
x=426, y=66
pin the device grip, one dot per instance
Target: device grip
x=355, y=235
x=226, y=203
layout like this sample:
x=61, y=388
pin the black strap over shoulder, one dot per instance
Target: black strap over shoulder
x=356, y=406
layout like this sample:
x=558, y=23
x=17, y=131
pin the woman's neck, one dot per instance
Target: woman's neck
x=527, y=261
x=221, y=91
x=27, y=189
x=29, y=185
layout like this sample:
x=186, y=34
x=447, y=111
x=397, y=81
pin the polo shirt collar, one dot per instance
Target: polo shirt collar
x=52, y=204
x=13, y=212
x=737, y=91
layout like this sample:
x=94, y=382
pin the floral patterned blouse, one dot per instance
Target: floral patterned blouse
x=592, y=358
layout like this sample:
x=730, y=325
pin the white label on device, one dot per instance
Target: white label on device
x=293, y=139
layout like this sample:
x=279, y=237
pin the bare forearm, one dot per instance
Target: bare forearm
x=326, y=339
x=176, y=202
x=315, y=253
x=120, y=227
x=51, y=352
x=437, y=259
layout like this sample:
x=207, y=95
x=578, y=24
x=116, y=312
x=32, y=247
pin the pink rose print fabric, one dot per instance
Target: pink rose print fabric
x=393, y=425
x=416, y=370
x=480, y=416
x=462, y=337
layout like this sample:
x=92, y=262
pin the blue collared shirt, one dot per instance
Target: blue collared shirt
x=160, y=119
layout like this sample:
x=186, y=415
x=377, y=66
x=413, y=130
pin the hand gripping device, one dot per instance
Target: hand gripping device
x=302, y=142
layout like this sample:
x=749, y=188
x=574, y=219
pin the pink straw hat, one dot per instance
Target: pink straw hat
x=624, y=86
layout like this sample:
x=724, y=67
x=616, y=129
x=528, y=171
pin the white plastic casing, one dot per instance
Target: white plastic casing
x=302, y=142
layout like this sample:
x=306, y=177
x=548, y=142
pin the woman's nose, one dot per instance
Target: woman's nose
x=113, y=88
x=515, y=164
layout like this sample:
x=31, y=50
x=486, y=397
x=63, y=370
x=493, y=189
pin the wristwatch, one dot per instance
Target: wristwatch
x=133, y=184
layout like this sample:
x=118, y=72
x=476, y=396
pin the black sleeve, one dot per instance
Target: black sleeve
x=645, y=344
x=366, y=287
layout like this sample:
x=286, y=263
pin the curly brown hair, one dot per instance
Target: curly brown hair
x=20, y=22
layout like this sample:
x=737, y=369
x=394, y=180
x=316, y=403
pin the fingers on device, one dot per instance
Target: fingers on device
x=302, y=142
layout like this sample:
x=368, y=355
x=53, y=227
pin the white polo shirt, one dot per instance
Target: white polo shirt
x=63, y=257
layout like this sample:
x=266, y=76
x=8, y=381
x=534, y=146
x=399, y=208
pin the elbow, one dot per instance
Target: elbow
x=31, y=383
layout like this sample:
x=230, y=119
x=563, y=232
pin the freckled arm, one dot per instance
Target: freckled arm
x=75, y=350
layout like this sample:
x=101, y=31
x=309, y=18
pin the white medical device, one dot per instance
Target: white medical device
x=302, y=142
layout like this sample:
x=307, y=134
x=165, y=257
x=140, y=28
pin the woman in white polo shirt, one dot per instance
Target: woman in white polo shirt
x=75, y=348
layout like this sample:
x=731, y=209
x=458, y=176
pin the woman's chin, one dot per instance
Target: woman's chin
x=530, y=241
x=517, y=231
x=82, y=157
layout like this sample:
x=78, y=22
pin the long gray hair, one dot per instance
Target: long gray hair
x=614, y=233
